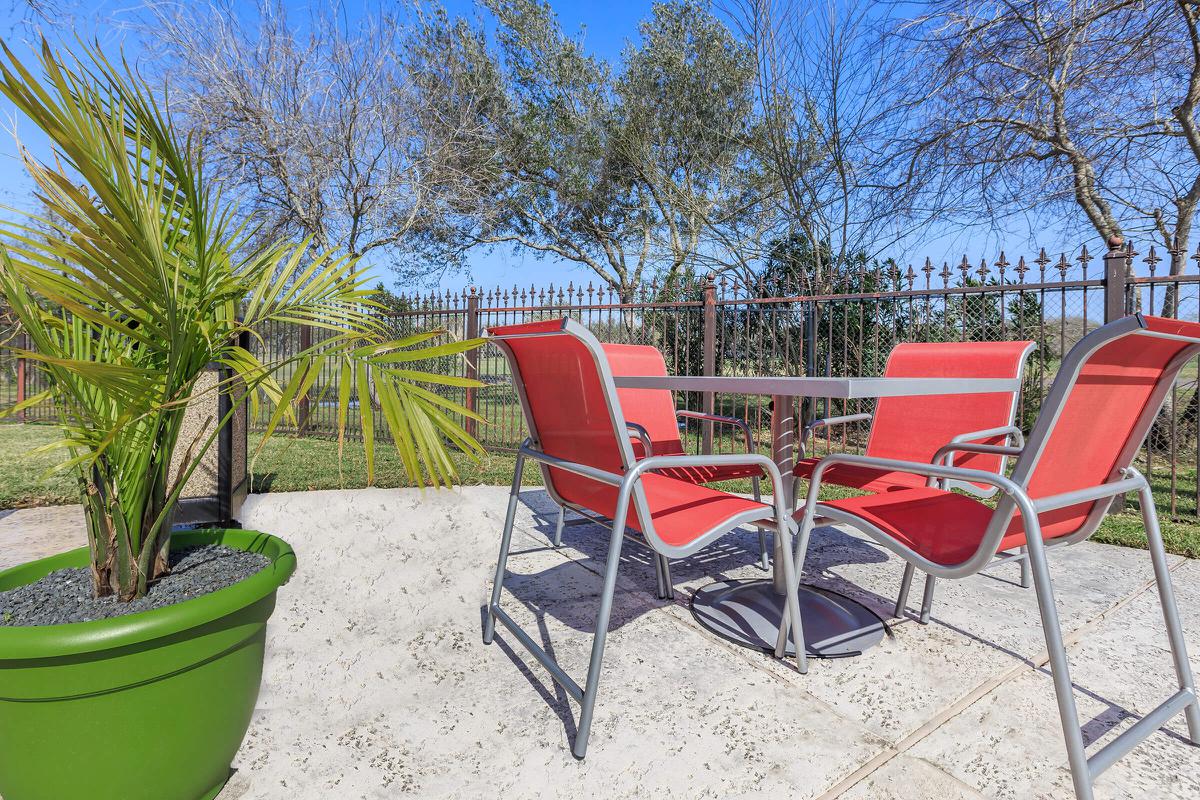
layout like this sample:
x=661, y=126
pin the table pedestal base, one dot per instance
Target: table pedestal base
x=750, y=613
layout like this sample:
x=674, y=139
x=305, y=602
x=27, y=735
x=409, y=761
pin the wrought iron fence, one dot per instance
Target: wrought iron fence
x=847, y=327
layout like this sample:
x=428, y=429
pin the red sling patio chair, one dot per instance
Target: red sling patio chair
x=654, y=410
x=1076, y=459
x=915, y=428
x=580, y=439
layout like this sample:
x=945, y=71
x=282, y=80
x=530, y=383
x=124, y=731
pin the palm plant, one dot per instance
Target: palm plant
x=134, y=278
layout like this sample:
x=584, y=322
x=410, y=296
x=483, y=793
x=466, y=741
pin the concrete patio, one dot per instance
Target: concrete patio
x=377, y=684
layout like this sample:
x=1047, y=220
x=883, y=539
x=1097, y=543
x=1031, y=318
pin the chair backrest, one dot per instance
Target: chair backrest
x=914, y=428
x=1107, y=393
x=571, y=407
x=653, y=409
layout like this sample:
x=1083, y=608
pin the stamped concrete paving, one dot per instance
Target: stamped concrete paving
x=377, y=684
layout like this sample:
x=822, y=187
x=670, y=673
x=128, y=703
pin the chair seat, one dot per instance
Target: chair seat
x=713, y=474
x=944, y=527
x=728, y=472
x=855, y=477
x=683, y=511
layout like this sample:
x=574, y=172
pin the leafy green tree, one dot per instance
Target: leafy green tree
x=625, y=171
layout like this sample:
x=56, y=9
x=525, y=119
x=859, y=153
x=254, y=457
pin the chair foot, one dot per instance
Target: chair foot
x=1026, y=572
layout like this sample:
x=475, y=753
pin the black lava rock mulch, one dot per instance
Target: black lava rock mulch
x=66, y=595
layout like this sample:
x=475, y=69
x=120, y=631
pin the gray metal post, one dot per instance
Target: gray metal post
x=793, y=570
x=1059, y=669
x=927, y=599
x=1170, y=609
x=602, y=617
x=763, y=561
x=489, y=624
x=558, y=526
x=905, y=586
x=783, y=433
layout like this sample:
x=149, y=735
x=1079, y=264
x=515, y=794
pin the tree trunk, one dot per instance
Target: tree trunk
x=122, y=563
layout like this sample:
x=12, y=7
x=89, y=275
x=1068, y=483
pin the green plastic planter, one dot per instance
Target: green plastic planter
x=151, y=706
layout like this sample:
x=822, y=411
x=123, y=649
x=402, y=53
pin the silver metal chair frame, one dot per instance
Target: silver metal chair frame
x=630, y=493
x=1014, y=498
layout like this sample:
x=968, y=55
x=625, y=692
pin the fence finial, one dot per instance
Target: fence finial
x=1152, y=258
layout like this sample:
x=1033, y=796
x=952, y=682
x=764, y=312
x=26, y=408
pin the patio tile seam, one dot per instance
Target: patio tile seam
x=1035, y=663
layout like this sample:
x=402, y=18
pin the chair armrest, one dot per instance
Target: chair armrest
x=934, y=470
x=725, y=460
x=946, y=453
x=1011, y=431
x=586, y=470
x=826, y=422
x=737, y=423
x=1132, y=483
x=643, y=435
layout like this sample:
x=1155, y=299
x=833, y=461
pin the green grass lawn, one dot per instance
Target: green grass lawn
x=288, y=464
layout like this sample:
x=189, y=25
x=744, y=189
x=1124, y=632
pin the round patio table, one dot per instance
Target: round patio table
x=750, y=612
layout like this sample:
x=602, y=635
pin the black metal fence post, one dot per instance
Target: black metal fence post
x=1117, y=301
x=710, y=356
x=472, y=371
x=1116, y=275
x=304, y=405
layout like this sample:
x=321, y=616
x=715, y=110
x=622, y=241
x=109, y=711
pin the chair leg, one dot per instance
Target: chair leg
x=1026, y=575
x=602, y=618
x=489, y=624
x=905, y=586
x=558, y=528
x=660, y=579
x=1170, y=609
x=927, y=599
x=763, y=559
x=792, y=570
x=791, y=577
x=1060, y=671
x=668, y=586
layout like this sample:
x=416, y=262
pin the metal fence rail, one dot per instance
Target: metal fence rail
x=846, y=327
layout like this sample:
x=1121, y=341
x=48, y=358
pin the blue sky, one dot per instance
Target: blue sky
x=605, y=28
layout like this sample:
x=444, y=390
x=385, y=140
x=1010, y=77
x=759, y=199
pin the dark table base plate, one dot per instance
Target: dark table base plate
x=749, y=613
